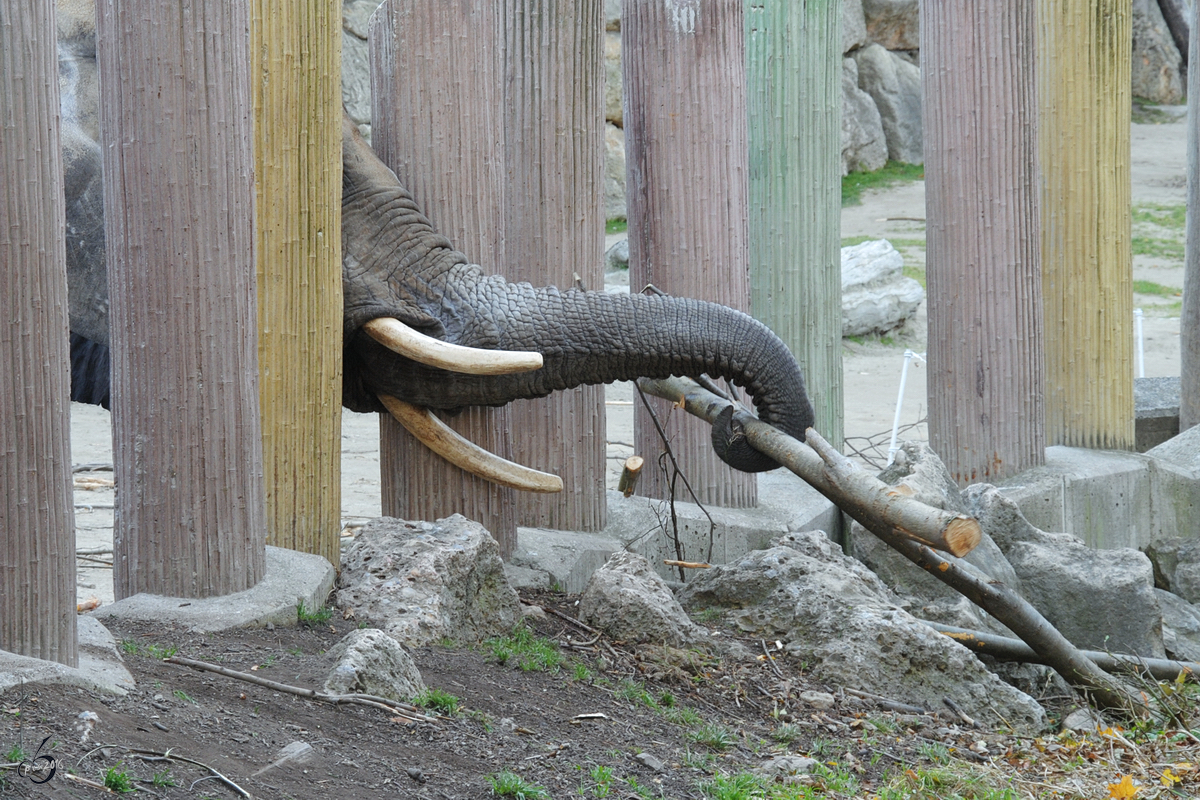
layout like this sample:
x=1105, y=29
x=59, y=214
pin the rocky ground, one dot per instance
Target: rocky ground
x=610, y=721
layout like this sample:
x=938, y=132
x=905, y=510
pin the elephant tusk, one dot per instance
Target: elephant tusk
x=467, y=455
x=400, y=338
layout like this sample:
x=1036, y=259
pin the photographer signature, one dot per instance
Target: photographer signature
x=36, y=771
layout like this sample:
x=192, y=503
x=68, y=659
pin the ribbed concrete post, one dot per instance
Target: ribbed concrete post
x=1189, y=321
x=983, y=262
x=37, y=516
x=179, y=221
x=435, y=121
x=684, y=73
x=298, y=171
x=794, y=73
x=554, y=230
x=1087, y=265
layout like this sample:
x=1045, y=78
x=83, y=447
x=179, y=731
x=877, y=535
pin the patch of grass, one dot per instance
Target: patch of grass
x=1145, y=112
x=854, y=184
x=682, y=715
x=531, y=653
x=700, y=761
x=129, y=647
x=437, y=700
x=510, y=784
x=162, y=780
x=644, y=792
x=1150, y=287
x=740, y=786
x=601, y=782
x=615, y=226
x=786, y=733
x=936, y=752
x=15, y=755
x=313, y=617
x=1159, y=248
x=916, y=273
x=1171, y=217
x=945, y=782
x=582, y=673
x=117, y=780
x=180, y=694
x=709, y=614
x=713, y=736
x=636, y=693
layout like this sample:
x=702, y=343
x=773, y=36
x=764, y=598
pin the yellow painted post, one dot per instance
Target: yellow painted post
x=1084, y=105
x=298, y=171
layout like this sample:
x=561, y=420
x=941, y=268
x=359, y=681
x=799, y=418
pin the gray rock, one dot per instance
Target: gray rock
x=356, y=16
x=1181, y=626
x=617, y=257
x=918, y=472
x=854, y=26
x=785, y=769
x=894, y=24
x=651, y=761
x=1083, y=720
x=864, y=146
x=628, y=600
x=822, y=701
x=1157, y=66
x=876, y=297
x=421, y=582
x=1098, y=599
x=368, y=661
x=614, y=172
x=612, y=79
x=829, y=610
x=1166, y=556
x=895, y=86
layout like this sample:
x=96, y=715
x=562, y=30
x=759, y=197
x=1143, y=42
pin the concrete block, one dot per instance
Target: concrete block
x=291, y=578
x=1175, y=487
x=101, y=668
x=1101, y=496
x=639, y=524
x=1156, y=411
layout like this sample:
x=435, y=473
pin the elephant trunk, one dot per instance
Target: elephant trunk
x=589, y=338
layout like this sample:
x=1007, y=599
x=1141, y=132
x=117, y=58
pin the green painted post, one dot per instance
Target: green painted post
x=794, y=74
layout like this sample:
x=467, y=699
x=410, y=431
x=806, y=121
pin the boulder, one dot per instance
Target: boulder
x=1098, y=599
x=1176, y=564
x=854, y=26
x=876, y=297
x=421, y=582
x=1157, y=66
x=629, y=601
x=864, y=146
x=614, y=172
x=612, y=15
x=368, y=661
x=1181, y=626
x=617, y=257
x=894, y=24
x=917, y=471
x=612, y=79
x=830, y=611
x=895, y=85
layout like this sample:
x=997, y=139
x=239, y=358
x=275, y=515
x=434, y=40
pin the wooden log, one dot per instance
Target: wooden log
x=1005, y=648
x=629, y=475
x=686, y=564
x=905, y=524
x=861, y=495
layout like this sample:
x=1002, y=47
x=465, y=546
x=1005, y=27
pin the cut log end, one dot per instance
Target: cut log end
x=962, y=536
x=630, y=474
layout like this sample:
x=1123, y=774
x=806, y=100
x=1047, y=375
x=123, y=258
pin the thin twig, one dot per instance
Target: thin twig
x=571, y=620
x=401, y=709
x=771, y=659
x=172, y=757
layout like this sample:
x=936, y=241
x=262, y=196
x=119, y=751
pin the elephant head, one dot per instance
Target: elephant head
x=397, y=268
x=423, y=328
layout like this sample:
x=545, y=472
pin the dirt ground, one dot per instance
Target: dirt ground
x=660, y=724
x=527, y=722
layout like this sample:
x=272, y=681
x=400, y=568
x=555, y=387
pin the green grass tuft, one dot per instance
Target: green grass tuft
x=854, y=184
x=531, y=653
x=313, y=617
x=117, y=780
x=510, y=784
x=436, y=700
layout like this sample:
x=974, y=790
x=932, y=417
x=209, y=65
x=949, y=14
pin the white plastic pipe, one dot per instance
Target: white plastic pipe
x=1141, y=342
x=909, y=355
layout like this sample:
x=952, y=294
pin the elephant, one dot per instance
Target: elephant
x=425, y=327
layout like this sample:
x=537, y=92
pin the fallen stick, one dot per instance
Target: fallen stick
x=860, y=494
x=909, y=527
x=406, y=710
x=154, y=755
x=686, y=564
x=1005, y=648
